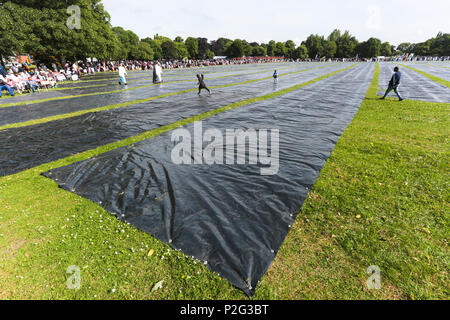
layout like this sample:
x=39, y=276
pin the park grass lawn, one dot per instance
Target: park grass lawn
x=382, y=199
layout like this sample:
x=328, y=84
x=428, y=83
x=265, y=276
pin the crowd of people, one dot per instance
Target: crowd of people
x=19, y=79
x=94, y=67
x=414, y=58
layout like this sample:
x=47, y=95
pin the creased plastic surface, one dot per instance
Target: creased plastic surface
x=26, y=112
x=27, y=147
x=413, y=85
x=228, y=216
x=433, y=69
x=139, y=78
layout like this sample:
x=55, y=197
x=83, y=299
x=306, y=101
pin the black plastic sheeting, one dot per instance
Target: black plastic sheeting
x=101, y=81
x=142, y=78
x=432, y=69
x=230, y=217
x=26, y=112
x=27, y=147
x=413, y=85
x=89, y=87
x=77, y=90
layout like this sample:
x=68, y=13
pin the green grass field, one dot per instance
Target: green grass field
x=382, y=199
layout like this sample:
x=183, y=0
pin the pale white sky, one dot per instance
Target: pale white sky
x=395, y=21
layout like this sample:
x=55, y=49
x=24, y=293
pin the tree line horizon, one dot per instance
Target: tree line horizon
x=39, y=27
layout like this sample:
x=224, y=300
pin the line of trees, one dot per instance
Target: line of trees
x=438, y=46
x=40, y=27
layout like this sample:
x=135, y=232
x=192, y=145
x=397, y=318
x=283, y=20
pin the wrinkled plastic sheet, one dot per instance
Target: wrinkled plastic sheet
x=228, y=216
x=110, y=82
x=181, y=72
x=145, y=78
x=433, y=69
x=80, y=88
x=26, y=112
x=413, y=85
x=168, y=76
x=27, y=147
x=22, y=113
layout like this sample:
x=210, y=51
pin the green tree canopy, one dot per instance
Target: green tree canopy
x=203, y=47
x=301, y=52
x=290, y=47
x=386, y=49
x=192, y=47
x=182, y=51
x=438, y=46
x=271, y=48
x=210, y=54
x=235, y=49
x=346, y=45
x=315, y=45
x=40, y=28
x=128, y=42
x=370, y=48
x=329, y=48
x=219, y=45
x=248, y=49
x=259, y=52
x=280, y=50
x=156, y=47
x=169, y=50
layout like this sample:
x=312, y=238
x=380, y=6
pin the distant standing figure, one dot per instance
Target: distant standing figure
x=157, y=73
x=275, y=76
x=122, y=74
x=201, y=84
x=393, y=84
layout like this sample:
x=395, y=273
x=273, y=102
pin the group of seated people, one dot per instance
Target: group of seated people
x=23, y=81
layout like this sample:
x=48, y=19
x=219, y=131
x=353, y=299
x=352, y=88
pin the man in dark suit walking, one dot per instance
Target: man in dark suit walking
x=394, y=83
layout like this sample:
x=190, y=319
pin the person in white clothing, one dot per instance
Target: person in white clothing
x=122, y=74
x=157, y=73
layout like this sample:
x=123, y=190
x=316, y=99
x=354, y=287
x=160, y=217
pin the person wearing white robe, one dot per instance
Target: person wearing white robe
x=157, y=73
x=122, y=74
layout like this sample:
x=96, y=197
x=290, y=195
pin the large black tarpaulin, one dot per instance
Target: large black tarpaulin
x=143, y=78
x=133, y=92
x=27, y=147
x=228, y=216
x=413, y=85
x=433, y=69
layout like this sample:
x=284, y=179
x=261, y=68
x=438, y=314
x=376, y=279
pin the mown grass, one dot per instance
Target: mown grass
x=381, y=200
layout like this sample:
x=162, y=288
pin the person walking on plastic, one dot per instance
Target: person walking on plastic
x=393, y=84
x=157, y=73
x=122, y=74
x=201, y=84
x=275, y=77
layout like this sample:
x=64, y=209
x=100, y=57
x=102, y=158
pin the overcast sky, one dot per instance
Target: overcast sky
x=395, y=21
